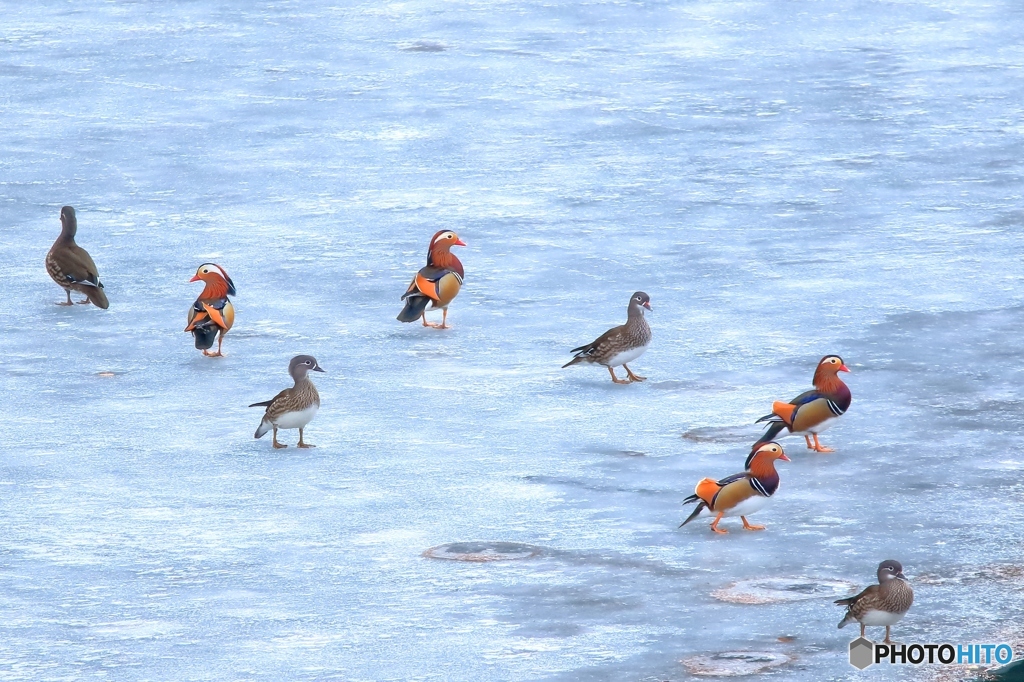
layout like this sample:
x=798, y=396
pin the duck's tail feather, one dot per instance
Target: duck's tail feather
x=414, y=307
x=696, y=512
x=582, y=353
x=205, y=334
x=97, y=296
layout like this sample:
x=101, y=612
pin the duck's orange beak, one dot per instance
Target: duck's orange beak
x=459, y=242
x=784, y=458
x=195, y=279
x=843, y=368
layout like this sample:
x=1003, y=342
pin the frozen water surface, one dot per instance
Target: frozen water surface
x=785, y=180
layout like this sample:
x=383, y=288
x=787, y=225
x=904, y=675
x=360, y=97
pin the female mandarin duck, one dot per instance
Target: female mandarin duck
x=883, y=604
x=741, y=494
x=71, y=266
x=620, y=345
x=295, y=407
x=212, y=312
x=812, y=411
x=437, y=284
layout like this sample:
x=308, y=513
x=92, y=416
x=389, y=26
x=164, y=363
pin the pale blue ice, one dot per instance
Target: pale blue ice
x=785, y=179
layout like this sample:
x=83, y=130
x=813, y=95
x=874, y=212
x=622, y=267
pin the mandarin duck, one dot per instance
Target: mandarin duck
x=741, y=494
x=437, y=284
x=812, y=411
x=295, y=407
x=883, y=604
x=212, y=312
x=71, y=266
x=622, y=344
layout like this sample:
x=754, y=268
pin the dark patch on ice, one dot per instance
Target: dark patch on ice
x=620, y=453
x=973, y=574
x=776, y=590
x=555, y=629
x=681, y=384
x=720, y=434
x=551, y=480
x=422, y=46
x=483, y=551
x=733, y=663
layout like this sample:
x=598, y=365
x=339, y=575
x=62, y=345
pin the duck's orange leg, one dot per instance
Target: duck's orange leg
x=748, y=526
x=633, y=377
x=276, y=444
x=818, y=447
x=301, y=444
x=435, y=325
x=714, y=524
x=68, y=292
x=615, y=378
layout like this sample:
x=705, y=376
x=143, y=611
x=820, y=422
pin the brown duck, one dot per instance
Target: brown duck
x=70, y=266
x=295, y=407
x=622, y=344
x=883, y=604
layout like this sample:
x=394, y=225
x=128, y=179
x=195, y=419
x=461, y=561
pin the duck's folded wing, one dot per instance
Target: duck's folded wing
x=733, y=493
x=730, y=479
x=221, y=312
x=272, y=404
x=814, y=412
x=427, y=282
x=600, y=343
x=76, y=265
x=867, y=594
x=196, y=314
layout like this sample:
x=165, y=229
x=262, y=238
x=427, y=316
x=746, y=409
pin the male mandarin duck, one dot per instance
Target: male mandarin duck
x=212, y=312
x=812, y=411
x=883, y=604
x=741, y=494
x=71, y=266
x=295, y=407
x=622, y=344
x=436, y=284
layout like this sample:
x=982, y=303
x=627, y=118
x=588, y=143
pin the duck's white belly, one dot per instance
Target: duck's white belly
x=626, y=356
x=297, y=420
x=874, y=617
x=747, y=506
